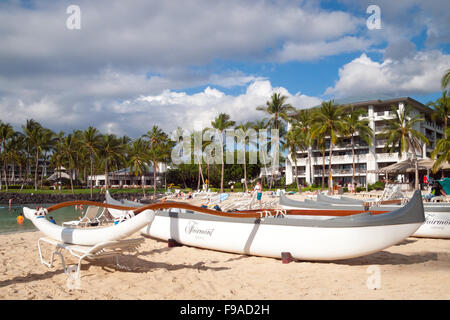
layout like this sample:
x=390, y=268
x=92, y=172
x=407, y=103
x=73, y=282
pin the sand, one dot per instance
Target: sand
x=417, y=268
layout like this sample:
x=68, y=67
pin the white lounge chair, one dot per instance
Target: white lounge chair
x=105, y=217
x=101, y=250
x=88, y=218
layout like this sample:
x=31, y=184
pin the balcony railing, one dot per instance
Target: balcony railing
x=339, y=171
x=432, y=125
x=381, y=142
x=381, y=128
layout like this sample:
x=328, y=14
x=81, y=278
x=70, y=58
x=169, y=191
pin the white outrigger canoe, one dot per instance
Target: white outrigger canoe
x=88, y=236
x=311, y=235
x=437, y=215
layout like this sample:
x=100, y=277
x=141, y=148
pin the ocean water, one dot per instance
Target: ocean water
x=8, y=222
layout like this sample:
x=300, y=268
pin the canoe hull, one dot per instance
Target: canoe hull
x=436, y=225
x=268, y=240
x=437, y=216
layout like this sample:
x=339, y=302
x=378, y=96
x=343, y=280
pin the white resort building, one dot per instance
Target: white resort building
x=368, y=159
x=124, y=178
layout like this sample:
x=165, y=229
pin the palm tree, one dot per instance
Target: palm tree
x=258, y=125
x=278, y=109
x=441, y=109
x=442, y=152
x=57, y=157
x=29, y=130
x=303, y=121
x=320, y=143
x=112, y=150
x=328, y=122
x=357, y=126
x=157, y=150
x=6, y=132
x=138, y=158
x=295, y=139
x=92, y=143
x=38, y=138
x=241, y=132
x=69, y=152
x=198, y=154
x=445, y=80
x=400, y=133
x=221, y=123
x=15, y=152
x=48, y=141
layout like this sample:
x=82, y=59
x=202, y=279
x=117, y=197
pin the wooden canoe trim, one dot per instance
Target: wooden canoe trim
x=237, y=214
x=396, y=201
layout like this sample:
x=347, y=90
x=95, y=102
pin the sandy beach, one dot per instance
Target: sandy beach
x=413, y=269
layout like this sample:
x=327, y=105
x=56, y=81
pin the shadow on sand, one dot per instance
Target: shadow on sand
x=31, y=277
x=389, y=258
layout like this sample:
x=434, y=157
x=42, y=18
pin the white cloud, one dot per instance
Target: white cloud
x=159, y=35
x=319, y=49
x=178, y=109
x=168, y=109
x=419, y=74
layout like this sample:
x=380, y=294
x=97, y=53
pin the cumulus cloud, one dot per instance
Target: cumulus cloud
x=172, y=109
x=168, y=109
x=365, y=77
x=320, y=49
x=159, y=35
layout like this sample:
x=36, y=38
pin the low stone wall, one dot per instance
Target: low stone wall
x=22, y=198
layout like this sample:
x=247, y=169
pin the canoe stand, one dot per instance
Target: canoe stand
x=101, y=250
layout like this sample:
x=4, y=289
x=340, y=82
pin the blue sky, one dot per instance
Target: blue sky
x=179, y=64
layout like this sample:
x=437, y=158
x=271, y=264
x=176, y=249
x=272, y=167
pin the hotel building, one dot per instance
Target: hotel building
x=367, y=158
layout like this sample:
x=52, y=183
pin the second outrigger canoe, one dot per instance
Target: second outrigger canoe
x=311, y=235
x=437, y=215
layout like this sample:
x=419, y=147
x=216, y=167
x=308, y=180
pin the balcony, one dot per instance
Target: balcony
x=432, y=125
x=385, y=157
x=339, y=172
x=379, y=129
x=301, y=173
x=384, y=114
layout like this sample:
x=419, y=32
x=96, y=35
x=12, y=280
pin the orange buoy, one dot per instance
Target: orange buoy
x=20, y=219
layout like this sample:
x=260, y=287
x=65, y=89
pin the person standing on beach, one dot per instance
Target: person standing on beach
x=258, y=190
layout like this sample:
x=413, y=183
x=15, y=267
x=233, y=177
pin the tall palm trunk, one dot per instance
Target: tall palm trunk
x=142, y=185
x=92, y=172
x=154, y=180
x=71, y=182
x=200, y=173
x=330, y=184
x=42, y=173
x=296, y=172
x=223, y=163
x=273, y=158
x=5, y=174
x=353, y=161
x=416, y=169
x=209, y=181
x=36, y=170
x=323, y=170
x=106, y=175
x=310, y=167
x=245, y=170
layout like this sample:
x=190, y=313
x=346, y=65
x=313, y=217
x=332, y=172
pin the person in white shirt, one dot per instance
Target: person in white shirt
x=258, y=190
